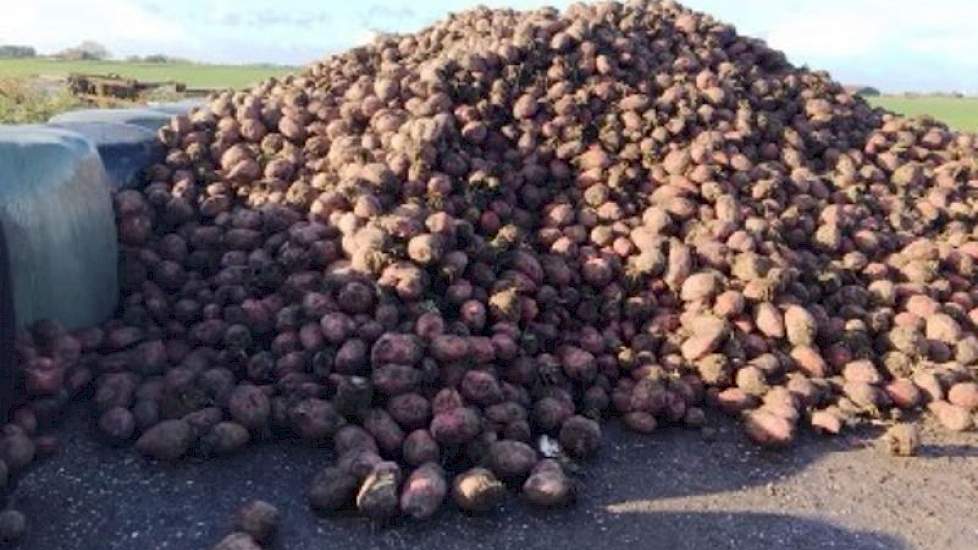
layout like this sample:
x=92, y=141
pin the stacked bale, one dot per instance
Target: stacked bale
x=56, y=217
x=126, y=150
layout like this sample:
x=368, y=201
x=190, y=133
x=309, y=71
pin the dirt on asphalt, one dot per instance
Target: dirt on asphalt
x=675, y=489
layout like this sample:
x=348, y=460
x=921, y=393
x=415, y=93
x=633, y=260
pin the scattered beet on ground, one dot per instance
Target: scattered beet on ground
x=452, y=255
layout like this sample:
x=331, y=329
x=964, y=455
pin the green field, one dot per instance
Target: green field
x=192, y=74
x=960, y=113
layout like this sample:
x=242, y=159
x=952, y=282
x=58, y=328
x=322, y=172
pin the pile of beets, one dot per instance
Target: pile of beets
x=452, y=255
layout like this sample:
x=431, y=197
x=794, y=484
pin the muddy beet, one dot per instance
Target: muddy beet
x=439, y=247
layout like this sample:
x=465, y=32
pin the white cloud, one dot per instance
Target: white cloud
x=821, y=35
x=894, y=44
x=120, y=25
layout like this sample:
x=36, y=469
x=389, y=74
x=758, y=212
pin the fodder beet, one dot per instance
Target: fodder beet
x=441, y=246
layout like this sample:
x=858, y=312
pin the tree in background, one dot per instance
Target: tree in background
x=156, y=58
x=864, y=91
x=88, y=50
x=17, y=52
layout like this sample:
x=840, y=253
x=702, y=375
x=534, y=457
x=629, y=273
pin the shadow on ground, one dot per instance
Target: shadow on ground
x=946, y=451
x=91, y=497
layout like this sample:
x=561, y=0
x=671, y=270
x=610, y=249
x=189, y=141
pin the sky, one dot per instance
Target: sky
x=896, y=45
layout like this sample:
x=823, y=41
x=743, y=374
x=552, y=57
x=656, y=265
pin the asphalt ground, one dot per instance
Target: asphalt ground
x=673, y=489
